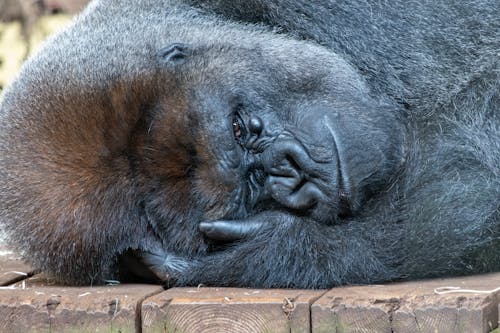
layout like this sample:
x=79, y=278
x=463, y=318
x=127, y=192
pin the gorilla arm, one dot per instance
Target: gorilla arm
x=277, y=249
x=158, y=264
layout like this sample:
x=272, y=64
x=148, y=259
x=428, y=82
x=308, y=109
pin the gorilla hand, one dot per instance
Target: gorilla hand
x=155, y=265
x=231, y=230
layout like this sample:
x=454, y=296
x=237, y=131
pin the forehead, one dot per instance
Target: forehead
x=253, y=71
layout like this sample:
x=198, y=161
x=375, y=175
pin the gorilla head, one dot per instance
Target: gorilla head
x=164, y=142
x=260, y=128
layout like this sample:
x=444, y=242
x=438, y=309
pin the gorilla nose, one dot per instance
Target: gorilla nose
x=291, y=174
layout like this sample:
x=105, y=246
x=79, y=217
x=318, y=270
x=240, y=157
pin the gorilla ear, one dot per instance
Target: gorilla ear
x=175, y=53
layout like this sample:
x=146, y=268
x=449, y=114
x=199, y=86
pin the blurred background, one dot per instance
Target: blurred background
x=25, y=24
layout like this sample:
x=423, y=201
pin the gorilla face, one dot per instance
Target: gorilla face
x=298, y=134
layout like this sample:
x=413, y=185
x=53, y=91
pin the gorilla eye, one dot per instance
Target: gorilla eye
x=237, y=128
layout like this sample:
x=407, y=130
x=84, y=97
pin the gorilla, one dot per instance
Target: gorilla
x=256, y=143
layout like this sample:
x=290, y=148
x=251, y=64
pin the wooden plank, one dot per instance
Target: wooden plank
x=410, y=307
x=12, y=268
x=44, y=307
x=193, y=310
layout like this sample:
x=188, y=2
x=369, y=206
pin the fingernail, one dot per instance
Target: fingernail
x=205, y=227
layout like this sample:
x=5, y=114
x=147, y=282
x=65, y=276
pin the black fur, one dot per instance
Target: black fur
x=117, y=141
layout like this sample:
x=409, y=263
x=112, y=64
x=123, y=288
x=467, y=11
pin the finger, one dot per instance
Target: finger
x=156, y=264
x=229, y=230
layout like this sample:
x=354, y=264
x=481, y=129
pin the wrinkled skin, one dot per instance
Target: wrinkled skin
x=154, y=141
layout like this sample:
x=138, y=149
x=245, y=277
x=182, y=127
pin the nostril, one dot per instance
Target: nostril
x=292, y=163
x=285, y=168
x=284, y=155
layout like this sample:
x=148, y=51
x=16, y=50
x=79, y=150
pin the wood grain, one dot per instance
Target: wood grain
x=409, y=307
x=228, y=310
x=38, y=306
